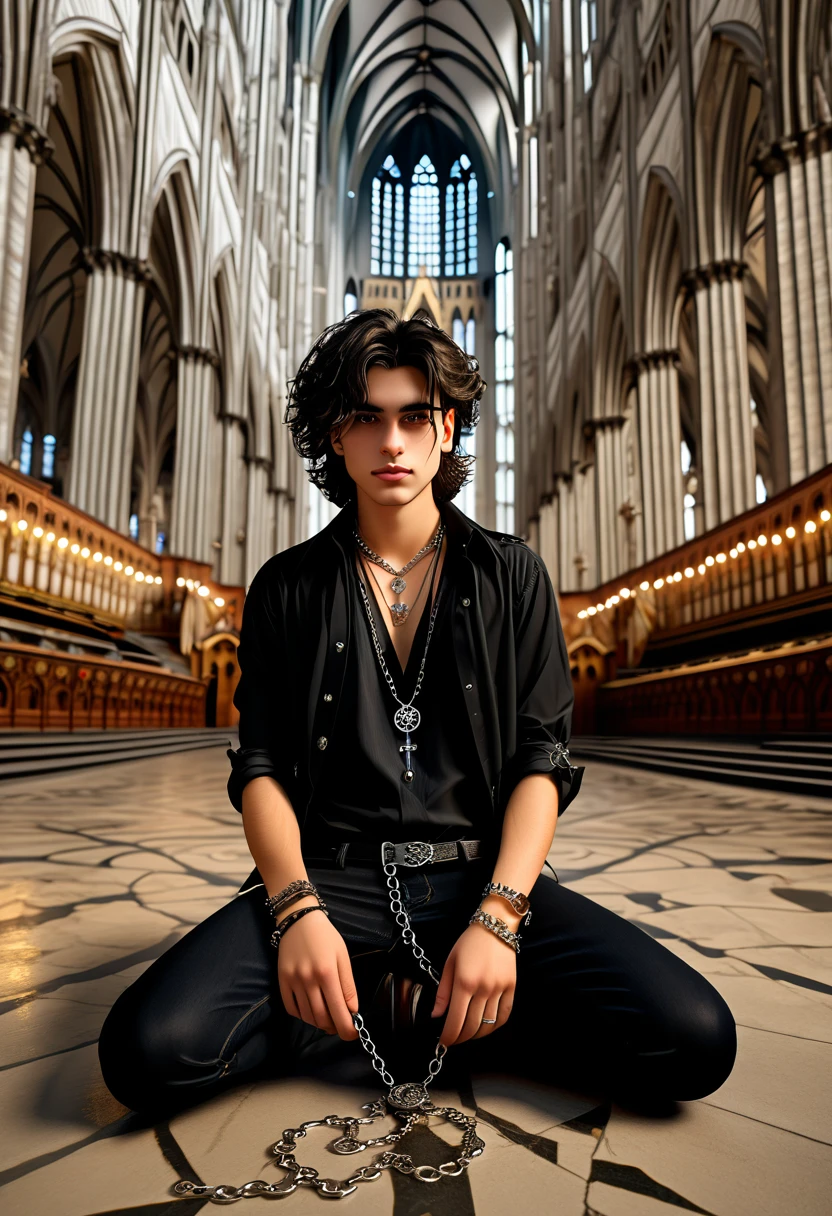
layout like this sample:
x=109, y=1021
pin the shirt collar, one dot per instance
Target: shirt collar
x=462, y=531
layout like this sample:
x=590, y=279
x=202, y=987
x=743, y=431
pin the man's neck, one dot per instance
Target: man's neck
x=397, y=533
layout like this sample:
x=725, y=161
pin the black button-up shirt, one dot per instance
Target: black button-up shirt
x=509, y=661
x=362, y=792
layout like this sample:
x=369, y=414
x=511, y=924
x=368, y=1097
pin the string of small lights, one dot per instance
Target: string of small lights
x=760, y=541
x=140, y=576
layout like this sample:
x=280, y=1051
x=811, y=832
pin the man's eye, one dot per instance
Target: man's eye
x=418, y=418
x=364, y=417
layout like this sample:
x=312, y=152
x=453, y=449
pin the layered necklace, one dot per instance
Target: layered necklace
x=406, y=717
x=400, y=611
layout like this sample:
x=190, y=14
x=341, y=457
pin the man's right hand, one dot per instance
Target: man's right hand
x=315, y=972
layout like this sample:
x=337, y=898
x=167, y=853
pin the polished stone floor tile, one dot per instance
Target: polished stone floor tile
x=103, y=870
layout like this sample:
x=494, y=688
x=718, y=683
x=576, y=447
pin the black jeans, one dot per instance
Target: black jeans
x=598, y=1004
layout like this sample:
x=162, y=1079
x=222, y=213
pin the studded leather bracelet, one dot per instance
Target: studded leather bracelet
x=291, y=918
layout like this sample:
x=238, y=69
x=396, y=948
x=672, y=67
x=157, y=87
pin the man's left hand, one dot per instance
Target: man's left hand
x=479, y=979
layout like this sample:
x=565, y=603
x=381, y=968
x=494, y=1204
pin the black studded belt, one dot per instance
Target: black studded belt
x=407, y=853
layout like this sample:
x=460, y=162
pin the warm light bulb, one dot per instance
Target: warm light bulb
x=22, y=524
x=790, y=532
x=810, y=526
x=139, y=576
x=625, y=593
x=50, y=536
x=85, y=552
x=732, y=553
x=76, y=548
x=658, y=582
x=63, y=542
x=219, y=601
x=721, y=557
x=645, y=586
x=825, y=516
x=740, y=546
x=701, y=567
x=128, y=570
x=38, y=532
x=582, y=614
x=709, y=561
x=777, y=539
x=3, y=516
x=117, y=566
x=761, y=539
x=203, y=590
x=96, y=557
x=752, y=544
x=180, y=582
x=689, y=571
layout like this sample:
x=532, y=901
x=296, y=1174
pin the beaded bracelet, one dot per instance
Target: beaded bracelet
x=291, y=918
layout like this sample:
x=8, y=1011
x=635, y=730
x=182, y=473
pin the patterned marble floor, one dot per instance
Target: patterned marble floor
x=103, y=869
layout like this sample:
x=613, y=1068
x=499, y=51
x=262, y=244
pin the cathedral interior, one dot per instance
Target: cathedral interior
x=623, y=210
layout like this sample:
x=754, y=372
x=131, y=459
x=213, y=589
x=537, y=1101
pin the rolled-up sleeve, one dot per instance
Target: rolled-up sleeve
x=545, y=695
x=262, y=694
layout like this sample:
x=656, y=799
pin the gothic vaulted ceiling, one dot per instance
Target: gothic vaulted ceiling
x=458, y=63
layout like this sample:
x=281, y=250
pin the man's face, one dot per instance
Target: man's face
x=395, y=426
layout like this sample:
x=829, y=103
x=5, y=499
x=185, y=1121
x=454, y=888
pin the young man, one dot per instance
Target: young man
x=405, y=685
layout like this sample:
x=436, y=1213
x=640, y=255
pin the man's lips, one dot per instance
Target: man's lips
x=397, y=476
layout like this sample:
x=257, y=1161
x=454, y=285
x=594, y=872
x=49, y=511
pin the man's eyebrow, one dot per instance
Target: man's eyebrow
x=416, y=405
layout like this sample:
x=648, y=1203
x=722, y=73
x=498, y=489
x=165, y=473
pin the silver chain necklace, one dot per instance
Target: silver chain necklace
x=406, y=717
x=398, y=584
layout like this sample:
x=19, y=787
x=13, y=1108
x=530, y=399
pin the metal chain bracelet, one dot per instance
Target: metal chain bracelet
x=496, y=926
x=295, y=890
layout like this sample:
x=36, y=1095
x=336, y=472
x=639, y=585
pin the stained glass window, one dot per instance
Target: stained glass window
x=48, y=465
x=423, y=220
x=387, y=221
x=26, y=452
x=461, y=219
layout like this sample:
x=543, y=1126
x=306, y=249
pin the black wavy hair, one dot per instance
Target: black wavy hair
x=331, y=384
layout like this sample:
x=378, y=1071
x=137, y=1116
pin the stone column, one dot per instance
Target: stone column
x=195, y=390
x=801, y=171
x=23, y=146
x=726, y=459
x=103, y=422
x=660, y=451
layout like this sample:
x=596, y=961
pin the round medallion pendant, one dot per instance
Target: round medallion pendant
x=398, y=584
x=407, y=1096
x=407, y=718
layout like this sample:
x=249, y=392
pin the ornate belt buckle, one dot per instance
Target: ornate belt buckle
x=417, y=853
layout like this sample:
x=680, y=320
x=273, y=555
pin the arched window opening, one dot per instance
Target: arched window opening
x=48, y=463
x=133, y=526
x=458, y=329
x=387, y=222
x=504, y=384
x=26, y=442
x=423, y=220
x=461, y=219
